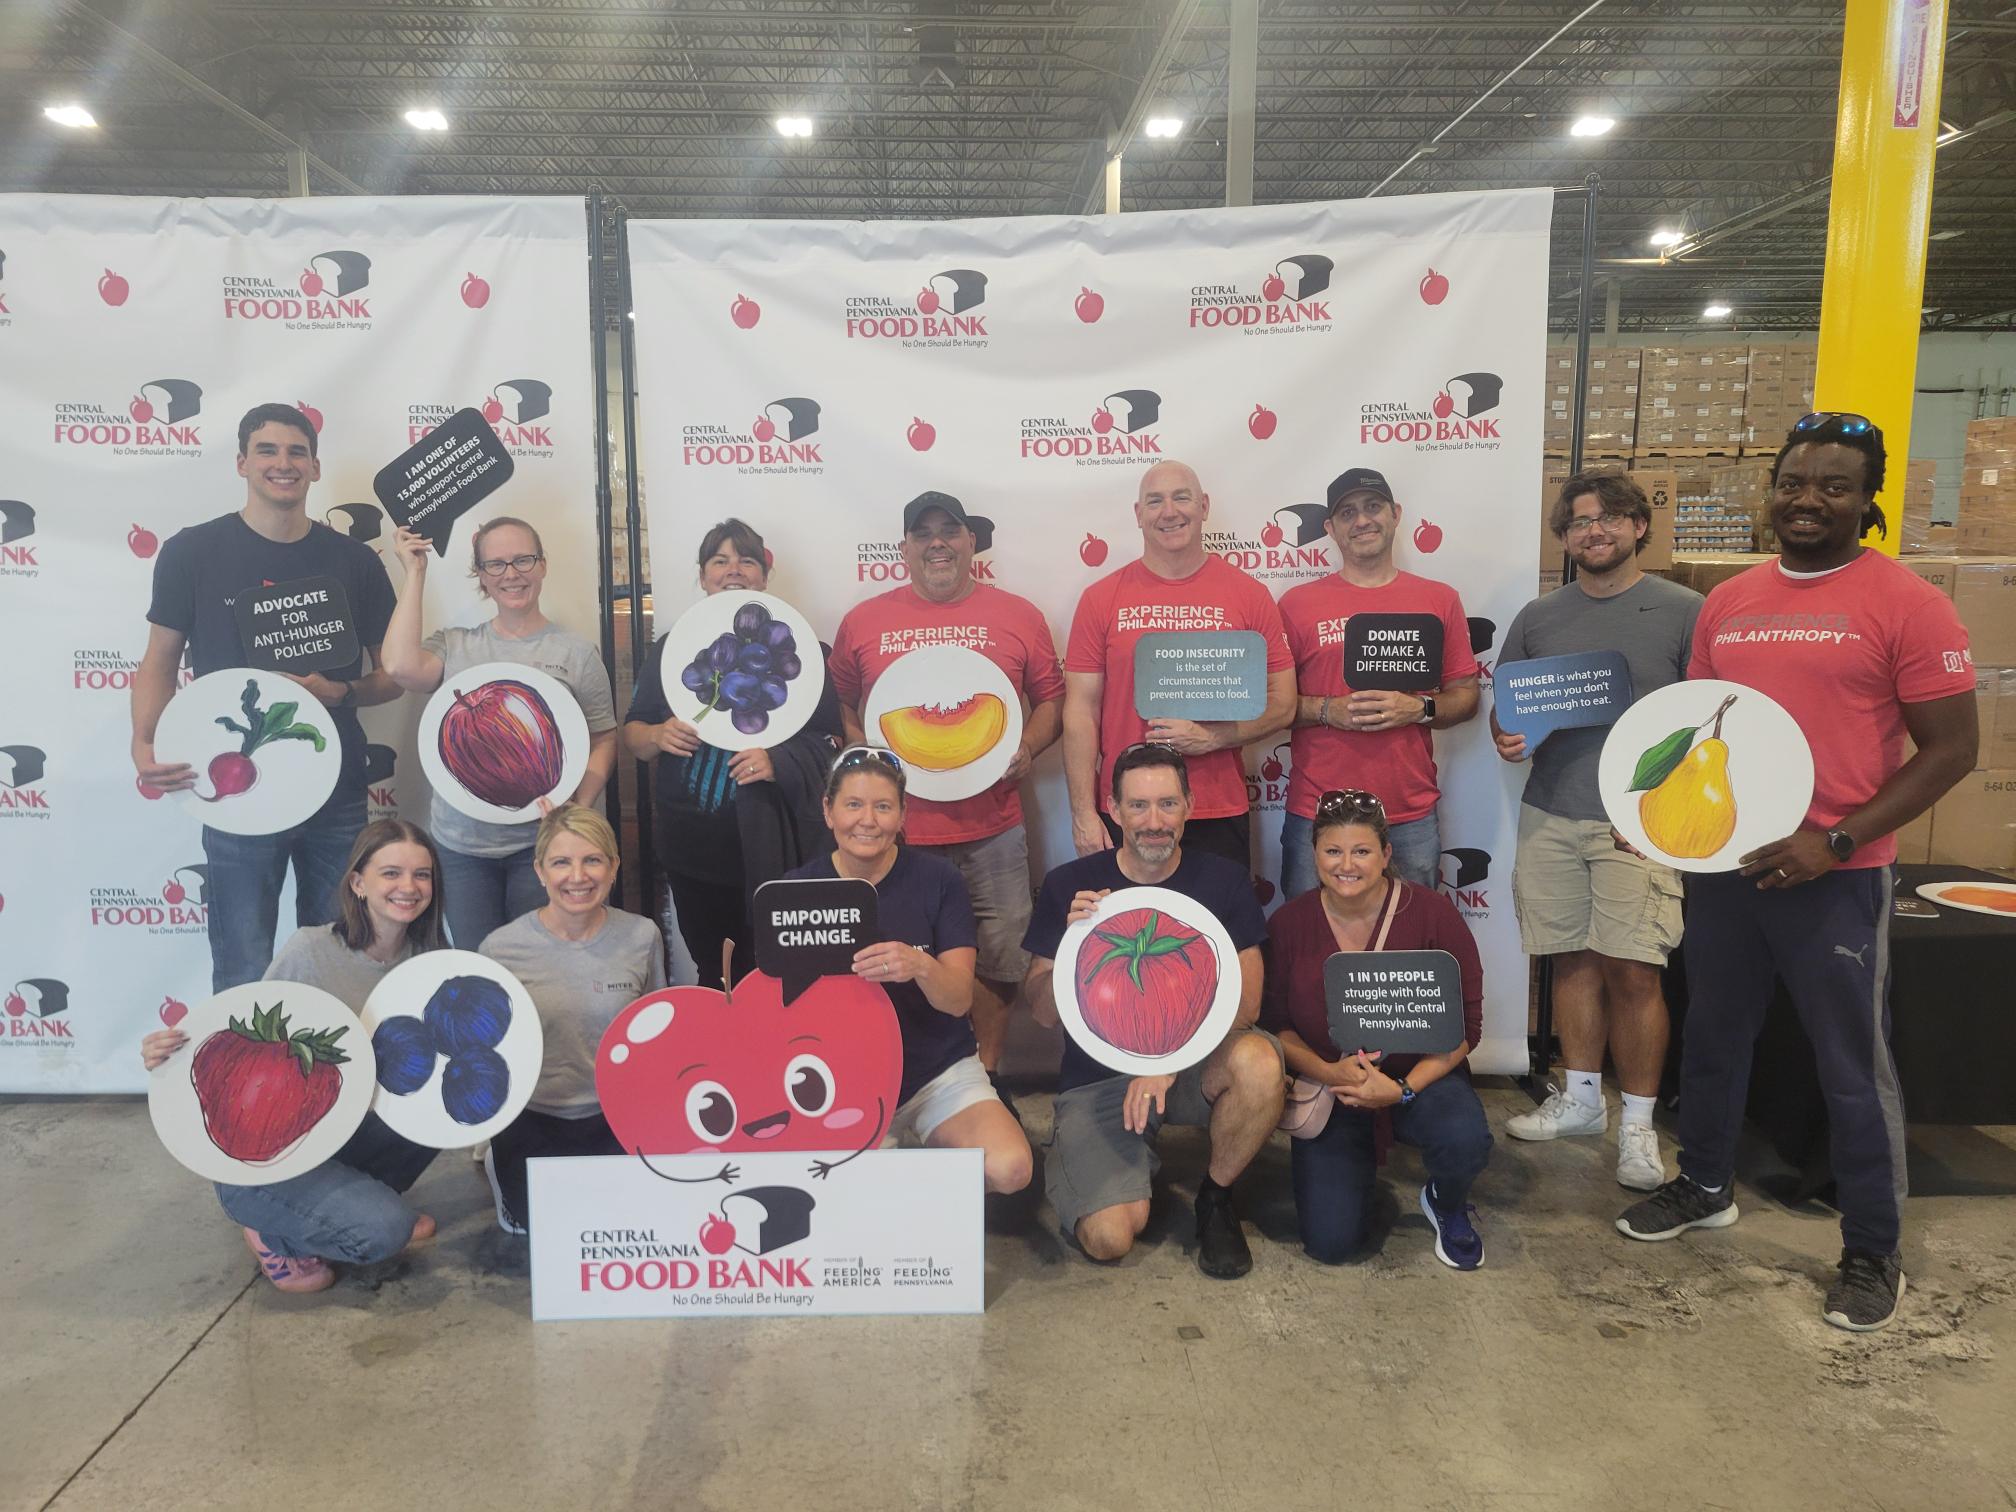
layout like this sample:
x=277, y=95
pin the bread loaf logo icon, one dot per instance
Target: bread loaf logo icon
x=1469, y=394
x=758, y=1221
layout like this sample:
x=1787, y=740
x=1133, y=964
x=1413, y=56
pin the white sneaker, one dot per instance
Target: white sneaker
x=1639, y=1164
x=1558, y=1118
x=504, y=1220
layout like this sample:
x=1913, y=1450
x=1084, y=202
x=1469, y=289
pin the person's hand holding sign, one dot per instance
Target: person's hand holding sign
x=1374, y=1088
x=1382, y=710
x=412, y=549
x=330, y=694
x=890, y=961
x=1085, y=904
x=1182, y=735
x=1800, y=857
x=752, y=765
x=1144, y=1093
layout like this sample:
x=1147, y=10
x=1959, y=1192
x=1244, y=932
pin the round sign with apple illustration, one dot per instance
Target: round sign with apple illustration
x=751, y=672
x=265, y=750
x=458, y=1045
x=1149, y=985
x=952, y=715
x=496, y=738
x=274, y=1079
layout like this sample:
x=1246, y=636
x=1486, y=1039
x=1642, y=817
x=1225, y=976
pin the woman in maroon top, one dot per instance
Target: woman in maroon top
x=1423, y=1100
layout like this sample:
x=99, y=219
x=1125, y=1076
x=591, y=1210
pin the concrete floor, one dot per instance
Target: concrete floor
x=145, y=1365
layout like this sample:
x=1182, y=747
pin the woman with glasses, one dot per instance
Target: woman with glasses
x=488, y=867
x=1422, y=1100
x=925, y=960
x=725, y=822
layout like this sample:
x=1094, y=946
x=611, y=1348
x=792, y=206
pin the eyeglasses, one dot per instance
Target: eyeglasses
x=498, y=566
x=1610, y=519
x=1340, y=803
x=1847, y=422
x=861, y=755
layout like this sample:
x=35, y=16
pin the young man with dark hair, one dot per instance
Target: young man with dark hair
x=1100, y=1163
x=197, y=580
x=1861, y=653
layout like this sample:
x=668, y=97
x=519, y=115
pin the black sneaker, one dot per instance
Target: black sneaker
x=1221, y=1247
x=1676, y=1207
x=1865, y=1297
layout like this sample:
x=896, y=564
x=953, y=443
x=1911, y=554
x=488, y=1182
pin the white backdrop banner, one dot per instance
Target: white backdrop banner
x=133, y=334
x=811, y=377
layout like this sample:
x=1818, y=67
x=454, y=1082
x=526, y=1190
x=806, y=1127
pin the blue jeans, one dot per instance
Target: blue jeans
x=1417, y=852
x=483, y=893
x=246, y=873
x=348, y=1208
x=1333, y=1173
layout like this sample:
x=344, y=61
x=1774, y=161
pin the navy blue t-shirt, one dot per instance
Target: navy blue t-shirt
x=923, y=902
x=1220, y=885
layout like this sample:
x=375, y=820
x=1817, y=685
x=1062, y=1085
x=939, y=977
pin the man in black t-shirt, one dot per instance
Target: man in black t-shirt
x=1099, y=1166
x=197, y=580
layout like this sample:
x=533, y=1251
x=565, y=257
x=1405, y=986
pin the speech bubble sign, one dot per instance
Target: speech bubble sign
x=444, y=475
x=302, y=625
x=1200, y=675
x=1397, y=652
x=1401, y=1002
x=809, y=927
x=1543, y=694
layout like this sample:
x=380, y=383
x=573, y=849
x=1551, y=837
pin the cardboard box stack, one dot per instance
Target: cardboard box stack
x=1987, y=522
x=1610, y=424
x=1915, y=530
x=1692, y=399
x=1719, y=508
x=1975, y=823
x=1781, y=391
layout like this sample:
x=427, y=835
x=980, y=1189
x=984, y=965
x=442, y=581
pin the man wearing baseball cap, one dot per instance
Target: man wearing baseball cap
x=982, y=835
x=1373, y=739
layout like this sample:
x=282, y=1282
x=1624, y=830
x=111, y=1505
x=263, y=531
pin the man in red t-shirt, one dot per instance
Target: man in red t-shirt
x=981, y=836
x=1176, y=585
x=1370, y=739
x=1861, y=652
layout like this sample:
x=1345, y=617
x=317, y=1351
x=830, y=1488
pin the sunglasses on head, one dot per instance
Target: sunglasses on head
x=1342, y=803
x=861, y=755
x=1144, y=745
x=1847, y=422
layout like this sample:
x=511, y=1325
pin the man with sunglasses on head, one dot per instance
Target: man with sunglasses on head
x=1862, y=653
x=1375, y=739
x=1176, y=585
x=1608, y=917
x=1100, y=1163
x=982, y=836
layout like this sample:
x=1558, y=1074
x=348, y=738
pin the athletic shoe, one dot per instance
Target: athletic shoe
x=1221, y=1246
x=1676, y=1207
x=1639, y=1165
x=1865, y=1297
x=1457, y=1242
x=290, y=1273
x=505, y=1221
x=1560, y=1117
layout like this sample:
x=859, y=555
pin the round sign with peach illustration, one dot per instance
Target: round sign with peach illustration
x=952, y=715
x=265, y=750
x=1149, y=985
x=496, y=738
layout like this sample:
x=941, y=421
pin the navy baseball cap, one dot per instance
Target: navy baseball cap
x=1353, y=479
x=980, y=525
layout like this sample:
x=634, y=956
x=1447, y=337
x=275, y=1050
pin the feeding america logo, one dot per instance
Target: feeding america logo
x=1458, y=418
x=158, y=421
x=1122, y=428
x=326, y=295
x=943, y=313
x=779, y=441
x=1281, y=302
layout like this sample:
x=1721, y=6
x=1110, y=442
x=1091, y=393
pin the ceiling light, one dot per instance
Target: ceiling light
x=1716, y=312
x=427, y=118
x=71, y=114
x=1665, y=236
x=794, y=126
x=1591, y=126
x=1162, y=126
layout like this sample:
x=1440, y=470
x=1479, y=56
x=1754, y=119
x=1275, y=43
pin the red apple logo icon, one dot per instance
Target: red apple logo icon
x=1272, y=768
x=1102, y=421
x=1434, y=288
x=1089, y=306
x=763, y=429
x=112, y=289
x=1427, y=536
x=927, y=301
x=148, y=790
x=314, y=415
x=1092, y=550
x=16, y=1005
x=172, y=892
x=1443, y=406
x=311, y=282
x=745, y=312
x=492, y=410
x=1261, y=422
x=172, y=1012
x=716, y=1234
x=921, y=434
x=140, y=410
x=142, y=542
x=1270, y=535
x=1272, y=288
x=475, y=292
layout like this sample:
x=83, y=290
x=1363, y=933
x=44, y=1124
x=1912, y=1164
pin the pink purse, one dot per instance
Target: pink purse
x=1305, y=1112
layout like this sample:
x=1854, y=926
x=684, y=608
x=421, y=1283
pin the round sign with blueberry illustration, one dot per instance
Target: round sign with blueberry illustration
x=458, y=1047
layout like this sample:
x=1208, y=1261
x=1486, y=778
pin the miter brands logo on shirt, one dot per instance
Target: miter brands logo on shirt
x=1814, y=629
x=630, y=987
x=1168, y=617
x=896, y=642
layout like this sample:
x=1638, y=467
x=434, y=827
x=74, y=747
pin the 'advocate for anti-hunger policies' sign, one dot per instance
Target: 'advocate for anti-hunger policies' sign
x=444, y=475
x=1200, y=675
x=1403, y=1002
x=299, y=626
x=1397, y=652
x=1548, y=693
x=811, y=927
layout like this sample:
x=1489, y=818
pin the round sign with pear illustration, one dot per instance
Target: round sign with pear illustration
x=1700, y=774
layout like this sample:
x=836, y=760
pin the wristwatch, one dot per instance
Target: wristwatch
x=1407, y=1093
x=349, y=692
x=1841, y=843
x=1427, y=710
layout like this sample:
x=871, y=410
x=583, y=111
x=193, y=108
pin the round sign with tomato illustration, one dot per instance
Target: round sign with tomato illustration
x=744, y=669
x=458, y=1045
x=952, y=715
x=265, y=750
x=496, y=738
x=1149, y=985
x=274, y=1080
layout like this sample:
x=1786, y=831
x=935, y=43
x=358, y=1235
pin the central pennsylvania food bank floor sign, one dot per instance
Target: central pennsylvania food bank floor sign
x=894, y=1231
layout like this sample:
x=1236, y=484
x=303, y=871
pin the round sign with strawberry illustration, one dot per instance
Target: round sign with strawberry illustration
x=274, y=1079
x=265, y=750
x=951, y=714
x=496, y=738
x=1149, y=985
x=458, y=1045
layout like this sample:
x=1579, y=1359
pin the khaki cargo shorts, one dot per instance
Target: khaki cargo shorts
x=1573, y=889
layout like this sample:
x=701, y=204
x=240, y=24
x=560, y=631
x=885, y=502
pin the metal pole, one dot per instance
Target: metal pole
x=1242, y=74
x=633, y=526
x=1613, y=306
x=598, y=343
x=1113, y=183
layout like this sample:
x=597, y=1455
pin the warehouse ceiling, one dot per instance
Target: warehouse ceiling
x=1724, y=117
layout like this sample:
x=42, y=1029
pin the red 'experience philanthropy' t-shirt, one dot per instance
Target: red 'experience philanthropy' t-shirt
x=1004, y=627
x=1396, y=765
x=1843, y=653
x=1115, y=612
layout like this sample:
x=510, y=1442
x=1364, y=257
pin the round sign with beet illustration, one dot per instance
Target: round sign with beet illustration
x=951, y=714
x=750, y=671
x=496, y=738
x=1149, y=985
x=274, y=1080
x=458, y=1046
x=265, y=750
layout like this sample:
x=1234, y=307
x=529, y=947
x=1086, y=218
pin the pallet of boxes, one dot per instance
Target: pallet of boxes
x=1609, y=436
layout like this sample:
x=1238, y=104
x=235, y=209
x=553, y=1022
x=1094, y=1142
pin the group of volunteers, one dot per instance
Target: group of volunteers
x=1154, y=802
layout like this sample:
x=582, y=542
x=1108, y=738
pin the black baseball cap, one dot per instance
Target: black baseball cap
x=980, y=525
x=1354, y=478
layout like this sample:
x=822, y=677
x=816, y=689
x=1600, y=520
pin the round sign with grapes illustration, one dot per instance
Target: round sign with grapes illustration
x=496, y=738
x=1148, y=985
x=744, y=669
x=457, y=1046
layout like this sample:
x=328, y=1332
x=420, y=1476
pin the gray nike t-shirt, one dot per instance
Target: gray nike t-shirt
x=1651, y=622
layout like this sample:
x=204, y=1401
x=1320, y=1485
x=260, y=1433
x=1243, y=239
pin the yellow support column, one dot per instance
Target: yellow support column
x=1892, y=61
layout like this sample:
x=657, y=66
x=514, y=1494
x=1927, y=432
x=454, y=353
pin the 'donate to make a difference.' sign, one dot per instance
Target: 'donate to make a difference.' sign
x=1200, y=675
x=811, y=927
x=1548, y=693
x=1402, y=1002
x=1401, y=653
x=444, y=475
x=299, y=626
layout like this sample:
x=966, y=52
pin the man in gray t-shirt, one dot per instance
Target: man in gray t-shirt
x=1608, y=917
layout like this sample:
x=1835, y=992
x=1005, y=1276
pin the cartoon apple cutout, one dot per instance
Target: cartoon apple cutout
x=1434, y=288
x=142, y=542
x=493, y=411
x=475, y=292
x=1092, y=550
x=927, y=301
x=921, y=434
x=112, y=289
x=1427, y=536
x=1261, y=422
x=1089, y=306
x=314, y=415
x=745, y=312
x=140, y=410
x=311, y=282
x=1102, y=420
x=764, y=429
x=1443, y=406
x=172, y=1010
x=1145, y=982
x=262, y=1089
x=1272, y=288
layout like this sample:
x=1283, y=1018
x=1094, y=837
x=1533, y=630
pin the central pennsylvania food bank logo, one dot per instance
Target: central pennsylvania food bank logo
x=179, y=905
x=17, y=552
x=1463, y=870
x=1267, y=783
x=325, y=295
x=939, y=314
x=1290, y=548
x=93, y=670
x=777, y=441
x=1283, y=299
x=1457, y=418
x=759, y=1222
x=156, y=422
x=379, y=763
x=34, y=1011
x=519, y=410
x=22, y=768
x=1121, y=428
